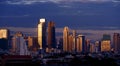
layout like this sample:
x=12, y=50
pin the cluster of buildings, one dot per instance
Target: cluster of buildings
x=19, y=44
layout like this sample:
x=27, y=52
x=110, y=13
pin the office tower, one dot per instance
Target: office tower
x=30, y=42
x=19, y=45
x=4, y=39
x=14, y=41
x=92, y=48
x=80, y=43
x=116, y=42
x=87, y=42
x=42, y=34
x=74, y=40
x=106, y=37
x=97, y=46
x=106, y=43
x=65, y=39
x=4, y=34
x=60, y=44
x=51, y=40
x=70, y=44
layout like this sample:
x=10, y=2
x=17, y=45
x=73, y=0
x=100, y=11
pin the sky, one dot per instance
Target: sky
x=92, y=18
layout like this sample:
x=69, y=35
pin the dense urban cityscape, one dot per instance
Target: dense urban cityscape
x=59, y=32
x=72, y=48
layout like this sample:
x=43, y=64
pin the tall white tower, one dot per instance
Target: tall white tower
x=42, y=33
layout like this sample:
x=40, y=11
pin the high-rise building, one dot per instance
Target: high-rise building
x=70, y=44
x=106, y=43
x=30, y=41
x=87, y=42
x=4, y=39
x=116, y=42
x=97, y=46
x=60, y=44
x=19, y=45
x=42, y=33
x=51, y=39
x=105, y=46
x=74, y=40
x=92, y=48
x=65, y=38
x=80, y=43
x=4, y=33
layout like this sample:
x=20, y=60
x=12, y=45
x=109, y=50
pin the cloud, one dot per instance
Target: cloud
x=25, y=2
x=28, y=2
x=14, y=16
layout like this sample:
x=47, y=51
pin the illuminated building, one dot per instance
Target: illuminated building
x=65, y=39
x=51, y=40
x=70, y=44
x=19, y=45
x=80, y=43
x=116, y=42
x=74, y=40
x=4, y=33
x=92, y=48
x=42, y=34
x=106, y=43
x=4, y=39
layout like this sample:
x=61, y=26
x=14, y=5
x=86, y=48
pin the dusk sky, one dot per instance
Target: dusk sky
x=89, y=17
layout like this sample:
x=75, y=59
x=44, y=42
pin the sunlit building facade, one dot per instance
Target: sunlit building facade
x=74, y=41
x=106, y=43
x=65, y=38
x=4, y=39
x=4, y=33
x=80, y=43
x=42, y=34
x=70, y=44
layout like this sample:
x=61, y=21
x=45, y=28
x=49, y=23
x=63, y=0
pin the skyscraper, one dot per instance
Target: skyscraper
x=42, y=34
x=70, y=44
x=116, y=42
x=97, y=46
x=65, y=38
x=19, y=45
x=74, y=40
x=4, y=39
x=106, y=43
x=4, y=33
x=81, y=43
x=51, y=39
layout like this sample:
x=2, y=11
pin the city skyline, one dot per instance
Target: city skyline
x=92, y=18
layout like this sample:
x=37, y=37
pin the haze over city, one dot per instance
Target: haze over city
x=92, y=18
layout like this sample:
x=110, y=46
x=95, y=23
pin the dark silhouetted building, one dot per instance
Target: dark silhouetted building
x=51, y=39
x=116, y=42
